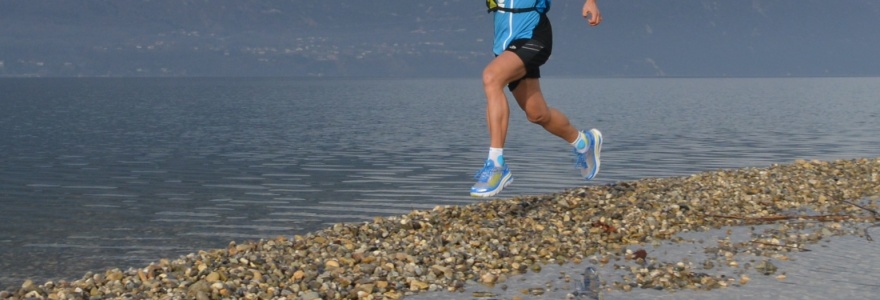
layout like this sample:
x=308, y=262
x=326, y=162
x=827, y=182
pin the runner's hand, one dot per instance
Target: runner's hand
x=591, y=13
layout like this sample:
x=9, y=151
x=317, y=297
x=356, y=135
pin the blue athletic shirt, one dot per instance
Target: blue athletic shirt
x=513, y=26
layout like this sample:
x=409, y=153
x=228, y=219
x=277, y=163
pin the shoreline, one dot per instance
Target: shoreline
x=450, y=247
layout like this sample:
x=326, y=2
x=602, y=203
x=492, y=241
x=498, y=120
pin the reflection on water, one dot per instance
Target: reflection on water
x=100, y=173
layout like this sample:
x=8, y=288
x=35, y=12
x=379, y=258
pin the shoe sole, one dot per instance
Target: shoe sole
x=596, y=135
x=505, y=181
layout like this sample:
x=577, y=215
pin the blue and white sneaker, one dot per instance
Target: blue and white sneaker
x=588, y=162
x=491, y=179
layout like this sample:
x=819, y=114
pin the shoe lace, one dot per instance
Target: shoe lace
x=484, y=174
x=580, y=159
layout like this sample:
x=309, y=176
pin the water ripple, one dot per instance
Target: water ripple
x=189, y=165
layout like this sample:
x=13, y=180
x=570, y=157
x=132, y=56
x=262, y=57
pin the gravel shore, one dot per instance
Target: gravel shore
x=735, y=228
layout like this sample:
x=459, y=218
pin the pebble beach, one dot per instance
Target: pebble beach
x=712, y=233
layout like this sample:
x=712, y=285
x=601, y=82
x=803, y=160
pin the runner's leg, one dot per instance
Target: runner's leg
x=529, y=97
x=502, y=70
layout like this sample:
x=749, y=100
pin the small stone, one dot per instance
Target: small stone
x=640, y=254
x=536, y=268
x=198, y=287
x=766, y=267
x=311, y=296
x=258, y=277
x=744, y=279
x=708, y=265
x=483, y=294
x=298, y=275
x=488, y=278
x=393, y=295
x=212, y=277
x=28, y=286
x=417, y=285
x=202, y=296
x=366, y=287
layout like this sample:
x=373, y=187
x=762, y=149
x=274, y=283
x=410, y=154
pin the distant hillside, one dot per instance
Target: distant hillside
x=431, y=38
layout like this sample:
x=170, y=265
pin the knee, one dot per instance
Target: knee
x=491, y=79
x=539, y=117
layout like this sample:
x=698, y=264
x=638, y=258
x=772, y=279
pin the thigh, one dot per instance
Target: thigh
x=529, y=97
x=504, y=69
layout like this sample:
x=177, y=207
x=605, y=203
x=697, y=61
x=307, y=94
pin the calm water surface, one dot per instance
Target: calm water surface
x=102, y=173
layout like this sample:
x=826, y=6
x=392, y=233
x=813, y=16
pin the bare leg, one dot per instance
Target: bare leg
x=504, y=69
x=529, y=97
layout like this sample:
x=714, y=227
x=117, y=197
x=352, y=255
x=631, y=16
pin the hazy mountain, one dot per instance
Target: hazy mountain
x=431, y=38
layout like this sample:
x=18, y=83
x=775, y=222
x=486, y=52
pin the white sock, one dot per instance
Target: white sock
x=496, y=156
x=580, y=143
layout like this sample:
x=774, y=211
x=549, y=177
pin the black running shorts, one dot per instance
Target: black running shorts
x=534, y=52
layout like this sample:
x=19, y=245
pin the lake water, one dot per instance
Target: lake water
x=103, y=173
